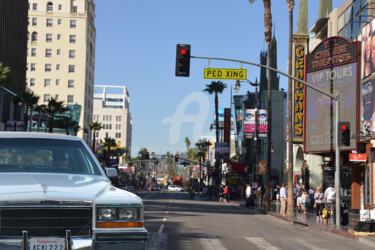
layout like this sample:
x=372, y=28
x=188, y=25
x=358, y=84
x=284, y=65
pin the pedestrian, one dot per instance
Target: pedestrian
x=298, y=198
x=221, y=193
x=263, y=192
x=283, y=199
x=248, y=191
x=305, y=201
x=226, y=194
x=319, y=199
x=278, y=194
x=204, y=192
x=311, y=193
x=330, y=200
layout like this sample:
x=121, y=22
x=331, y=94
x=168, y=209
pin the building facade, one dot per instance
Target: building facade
x=111, y=109
x=13, y=30
x=61, y=54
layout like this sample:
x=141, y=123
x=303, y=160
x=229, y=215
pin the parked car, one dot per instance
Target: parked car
x=175, y=188
x=155, y=187
x=55, y=182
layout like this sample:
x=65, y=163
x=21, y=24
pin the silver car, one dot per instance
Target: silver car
x=55, y=195
x=175, y=188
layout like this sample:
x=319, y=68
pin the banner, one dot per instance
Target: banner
x=262, y=122
x=222, y=150
x=298, y=94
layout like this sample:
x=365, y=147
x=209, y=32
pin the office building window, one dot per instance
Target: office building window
x=70, y=83
x=72, y=53
x=27, y=66
x=57, y=66
x=118, y=135
x=34, y=37
x=35, y=6
x=48, y=67
x=48, y=37
x=72, y=38
x=57, y=81
x=58, y=36
x=118, y=126
x=74, y=9
x=48, y=52
x=33, y=51
x=71, y=68
x=60, y=6
x=73, y=23
x=106, y=134
x=35, y=21
x=49, y=6
x=49, y=22
x=57, y=96
x=47, y=83
x=27, y=52
x=58, y=51
x=32, y=82
x=59, y=21
x=118, y=118
x=33, y=67
x=70, y=99
x=46, y=97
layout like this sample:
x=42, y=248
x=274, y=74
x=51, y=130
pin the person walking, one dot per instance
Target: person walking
x=305, y=201
x=283, y=199
x=248, y=191
x=319, y=199
x=330, y=200
x=226, y=194
x=311, y=193
x=298, y=198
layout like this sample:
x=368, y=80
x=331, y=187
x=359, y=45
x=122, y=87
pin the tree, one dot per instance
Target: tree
x=202, y=148
x=171, y=168
x=29, y=99
x=290, y=207
x=53, y=108
x=94, y=127
x=188, y=143
x=3, y=74
x=268, y=39
x=216, y=88
x=108, y=144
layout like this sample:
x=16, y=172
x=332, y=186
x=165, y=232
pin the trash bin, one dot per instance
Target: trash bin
x=344, y=215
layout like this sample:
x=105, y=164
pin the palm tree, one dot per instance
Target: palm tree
x=290, y=207
x=94, y=126
x=53, y=108
x=268, y=39
x=109, y=143
x=29, y=99
x=188, y=143
x=202, y=147
x=217, y=88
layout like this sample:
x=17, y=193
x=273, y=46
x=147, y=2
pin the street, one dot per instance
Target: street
x=175, y=222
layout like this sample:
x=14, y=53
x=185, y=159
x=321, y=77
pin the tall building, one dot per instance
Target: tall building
x=61, y=55
x=111, y=109
x=13, y=35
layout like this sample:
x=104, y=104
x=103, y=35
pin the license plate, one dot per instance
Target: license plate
x=47, y=243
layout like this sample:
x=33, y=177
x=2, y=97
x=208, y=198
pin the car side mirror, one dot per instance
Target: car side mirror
x=111, y=172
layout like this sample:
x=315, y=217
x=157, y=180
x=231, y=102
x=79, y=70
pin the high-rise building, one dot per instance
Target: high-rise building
x=111, y=109
x=61, y=55
x=13, y=34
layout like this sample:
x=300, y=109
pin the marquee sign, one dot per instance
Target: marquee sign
x=298, y=94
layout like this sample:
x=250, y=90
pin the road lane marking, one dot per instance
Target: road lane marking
x=157, y=241
x=166, y=212
x=161, y=229
x=309, y=245
x=211, y=243
x=164, y=219
x=261, y=243
x=147, y=196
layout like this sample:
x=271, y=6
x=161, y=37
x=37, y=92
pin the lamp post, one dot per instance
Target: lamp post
x=255, y=146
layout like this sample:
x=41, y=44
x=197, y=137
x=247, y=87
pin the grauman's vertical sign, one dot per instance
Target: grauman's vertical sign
x=298, y=94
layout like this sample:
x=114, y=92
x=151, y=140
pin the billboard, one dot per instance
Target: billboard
x=368, y=55
x=367, y=108
x=249, y=123
x=333, y=68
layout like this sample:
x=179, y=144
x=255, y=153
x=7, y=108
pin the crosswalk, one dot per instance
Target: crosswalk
x=209, y=242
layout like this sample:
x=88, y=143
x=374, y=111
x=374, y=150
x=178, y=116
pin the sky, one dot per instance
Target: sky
x=136, y=48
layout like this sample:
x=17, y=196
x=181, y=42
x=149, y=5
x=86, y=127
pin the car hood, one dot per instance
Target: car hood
x=36, y=187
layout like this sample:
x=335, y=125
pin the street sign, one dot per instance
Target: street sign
x=262, y=167
x=185, y=163
x=229, y=74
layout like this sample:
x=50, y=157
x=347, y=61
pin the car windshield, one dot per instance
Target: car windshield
x=45, y=156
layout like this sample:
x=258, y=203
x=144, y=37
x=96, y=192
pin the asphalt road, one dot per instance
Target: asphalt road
x=175, y=222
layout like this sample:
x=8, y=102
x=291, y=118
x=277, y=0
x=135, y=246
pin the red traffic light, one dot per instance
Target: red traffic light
x=183, y=52
x=343, y=127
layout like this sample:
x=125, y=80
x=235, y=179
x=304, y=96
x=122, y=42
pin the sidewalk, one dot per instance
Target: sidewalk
x=309, y=220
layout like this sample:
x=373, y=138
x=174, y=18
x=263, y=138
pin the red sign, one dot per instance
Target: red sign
x=357, y=157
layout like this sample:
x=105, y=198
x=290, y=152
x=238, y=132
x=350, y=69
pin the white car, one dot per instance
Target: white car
x=175, y=188
x=55, y=195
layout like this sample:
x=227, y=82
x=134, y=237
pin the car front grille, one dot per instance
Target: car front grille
x=45, y=221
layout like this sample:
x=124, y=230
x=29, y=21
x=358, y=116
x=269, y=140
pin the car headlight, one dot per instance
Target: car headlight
x=119, y=216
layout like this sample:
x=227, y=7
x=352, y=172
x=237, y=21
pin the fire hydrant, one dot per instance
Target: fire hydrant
x=325, y=215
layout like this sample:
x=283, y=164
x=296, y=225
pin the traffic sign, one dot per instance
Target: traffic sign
x=262, y=167
x=229, y=74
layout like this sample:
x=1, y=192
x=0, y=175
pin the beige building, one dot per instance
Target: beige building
x=111, y=109
x=61, y=54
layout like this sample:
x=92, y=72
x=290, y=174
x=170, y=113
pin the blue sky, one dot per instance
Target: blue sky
x=136, y=47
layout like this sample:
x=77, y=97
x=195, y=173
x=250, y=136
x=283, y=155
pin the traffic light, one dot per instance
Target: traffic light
x=147, y=156
x=183, y=60
x=176, y=158
x=344, y=133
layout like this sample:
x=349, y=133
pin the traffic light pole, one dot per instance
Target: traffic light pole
x=335, y=97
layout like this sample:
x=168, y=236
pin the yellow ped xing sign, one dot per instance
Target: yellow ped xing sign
x=229, y=74
x=262, y=167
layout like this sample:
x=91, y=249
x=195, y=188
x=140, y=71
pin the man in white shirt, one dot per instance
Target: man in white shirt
x=283, y=199
x=248, y=191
